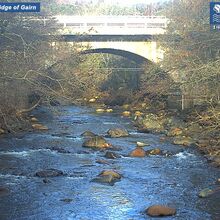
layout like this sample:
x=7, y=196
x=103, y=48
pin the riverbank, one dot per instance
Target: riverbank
x=197, y=127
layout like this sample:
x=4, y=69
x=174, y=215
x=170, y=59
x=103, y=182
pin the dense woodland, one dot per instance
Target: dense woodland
x=33, y=71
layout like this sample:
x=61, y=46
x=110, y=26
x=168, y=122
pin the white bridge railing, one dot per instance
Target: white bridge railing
x=112, y=24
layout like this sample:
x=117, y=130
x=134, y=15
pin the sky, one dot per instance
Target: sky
x=131, y=2
x=120, y=2
x=117, y=2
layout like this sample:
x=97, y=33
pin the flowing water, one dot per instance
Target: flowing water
x=174, y=181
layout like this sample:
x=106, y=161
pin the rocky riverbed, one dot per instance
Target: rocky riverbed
x=51, y=174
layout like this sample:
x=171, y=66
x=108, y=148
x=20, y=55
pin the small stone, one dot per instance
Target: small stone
x=67, y=200
x=160, y=210
x=92, y=100
x=33, y=119
x=100, y=110
x=141, y=144
x=126, y=113
x=2, y=131
x=46, y=180
x=155, y=151
x=49, y=173
x=109, y=110
x=138, y=113
x=138, y=152
x=206, y=193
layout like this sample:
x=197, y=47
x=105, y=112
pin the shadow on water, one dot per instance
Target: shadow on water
x=174, y=180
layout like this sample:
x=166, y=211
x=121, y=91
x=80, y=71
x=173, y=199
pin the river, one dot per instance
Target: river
x=174, y=181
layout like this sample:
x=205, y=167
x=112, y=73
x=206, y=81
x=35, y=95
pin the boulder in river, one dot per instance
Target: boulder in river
x=113, y=173
x=107, y=177
x=49, y=173
x=96, y=142
x=160, y=210
x=138, y=152
x=111, y=155
x=117, y=132
x=88, y=134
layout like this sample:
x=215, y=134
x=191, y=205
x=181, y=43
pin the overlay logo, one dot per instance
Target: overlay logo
x=215, y=15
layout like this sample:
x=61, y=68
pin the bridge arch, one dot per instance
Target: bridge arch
x=124, y=53
x=141, y=51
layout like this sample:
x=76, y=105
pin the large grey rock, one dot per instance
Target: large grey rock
x=150, y=123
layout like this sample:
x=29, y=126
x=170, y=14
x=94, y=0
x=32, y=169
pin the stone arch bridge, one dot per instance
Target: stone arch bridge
x=133, y=37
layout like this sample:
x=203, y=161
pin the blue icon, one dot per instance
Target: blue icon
x=215, y=13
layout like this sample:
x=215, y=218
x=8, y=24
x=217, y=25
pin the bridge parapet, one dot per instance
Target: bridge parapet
x=110, y=25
